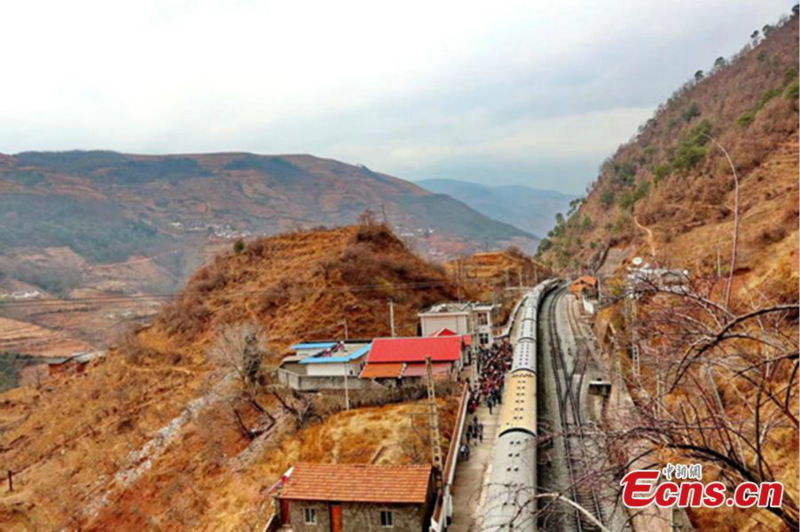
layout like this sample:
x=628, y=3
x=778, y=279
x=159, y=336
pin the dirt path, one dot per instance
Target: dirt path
x=648, y=238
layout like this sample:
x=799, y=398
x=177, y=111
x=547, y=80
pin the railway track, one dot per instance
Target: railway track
x=575, y=439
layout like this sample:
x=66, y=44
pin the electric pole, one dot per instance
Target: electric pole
x=346, y=337
x=346, y=388
x=391, y=316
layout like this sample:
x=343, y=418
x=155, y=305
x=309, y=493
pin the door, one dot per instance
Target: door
x=336, y=518
x=285, y=515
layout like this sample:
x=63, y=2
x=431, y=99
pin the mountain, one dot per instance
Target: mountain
x=706, y=196
x=530, y=209
x=104, y=207
x=151, y=435
x=669, y=193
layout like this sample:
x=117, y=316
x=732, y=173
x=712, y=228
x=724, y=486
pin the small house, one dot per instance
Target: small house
x=356, y=498
x=398, y=358
x=324, y=365
x=586, y=285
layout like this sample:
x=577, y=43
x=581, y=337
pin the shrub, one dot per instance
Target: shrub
x=687, y=157
x=792, y=92
x=690, y=112
x=626, y=200
x=544, y=245
x=641, y=190
x=238, y=246
x=767, y=96
x=607, y=198
x=661, y=172
x=691, y=149
x=746, y=118
x=623, y=173
x=789, y=77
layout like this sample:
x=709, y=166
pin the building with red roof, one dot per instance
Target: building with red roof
x=356, y=498
x=416, y=349
x=392, y=359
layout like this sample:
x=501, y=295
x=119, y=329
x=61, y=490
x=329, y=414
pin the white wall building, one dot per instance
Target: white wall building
x=473, y=318
x=324, y=365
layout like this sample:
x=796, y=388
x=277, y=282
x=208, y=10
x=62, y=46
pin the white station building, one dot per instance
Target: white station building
x=472, y=318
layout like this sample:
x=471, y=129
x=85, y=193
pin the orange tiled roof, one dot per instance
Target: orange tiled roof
x=358, y=483
x=382, y=371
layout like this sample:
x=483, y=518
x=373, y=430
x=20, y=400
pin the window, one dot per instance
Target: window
x=483, y=318
x=310, y=515
x=483, y=338
x=387, y=518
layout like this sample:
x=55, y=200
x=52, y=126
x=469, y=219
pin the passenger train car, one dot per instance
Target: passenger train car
x=509, y=504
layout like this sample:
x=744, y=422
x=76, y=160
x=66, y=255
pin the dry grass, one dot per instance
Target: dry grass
x=67, y=441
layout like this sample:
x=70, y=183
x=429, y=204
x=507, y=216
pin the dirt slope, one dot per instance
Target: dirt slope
x=668, y=196
x=146, y=439
x=670, y=190
x=496, y=276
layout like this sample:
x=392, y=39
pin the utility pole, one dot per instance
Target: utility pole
x=433, y=411
x=385, y=217
x=346, y=388
x=391, y=316
x=519, y=277
x=346, y=337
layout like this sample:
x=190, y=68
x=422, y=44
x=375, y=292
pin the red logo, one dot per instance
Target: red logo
x=641, y=488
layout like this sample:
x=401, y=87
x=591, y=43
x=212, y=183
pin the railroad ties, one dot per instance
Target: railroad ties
x=577, y=444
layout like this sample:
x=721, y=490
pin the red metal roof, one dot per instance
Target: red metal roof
x=439, y=348
x=444, y=331
x=358, y=483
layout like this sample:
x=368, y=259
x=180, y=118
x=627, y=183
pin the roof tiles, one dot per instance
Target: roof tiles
x=358, y=483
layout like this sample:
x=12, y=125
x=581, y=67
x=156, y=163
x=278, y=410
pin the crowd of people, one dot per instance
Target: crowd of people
x=491, y=365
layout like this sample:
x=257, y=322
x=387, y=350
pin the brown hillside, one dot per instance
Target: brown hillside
x=669, y=191
x=668, y=196
x=496, y=276
x=146, y=438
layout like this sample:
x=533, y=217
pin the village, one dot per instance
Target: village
x=458, y=342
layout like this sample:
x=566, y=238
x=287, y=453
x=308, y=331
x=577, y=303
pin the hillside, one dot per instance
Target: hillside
x=147, y=437
x=112, y=208
x=669, y=192
x=499, y=276
x=691, y=350
x=531, y=209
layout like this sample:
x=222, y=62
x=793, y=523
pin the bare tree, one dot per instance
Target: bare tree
x=717, y=384
x=241, y=348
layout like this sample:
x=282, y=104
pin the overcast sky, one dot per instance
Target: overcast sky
x=535, y=92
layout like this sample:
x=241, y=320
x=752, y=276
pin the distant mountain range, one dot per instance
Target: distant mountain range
x=530, y=209
x=107, y=207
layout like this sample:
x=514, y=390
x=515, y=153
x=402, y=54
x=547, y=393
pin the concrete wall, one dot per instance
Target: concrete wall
x=360, y=517
x=334, y=369
x=458, y=323
x=311, y=383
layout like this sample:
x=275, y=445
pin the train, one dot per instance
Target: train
x=509, y=504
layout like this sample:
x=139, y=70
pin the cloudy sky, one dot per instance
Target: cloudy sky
x=500, y=92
